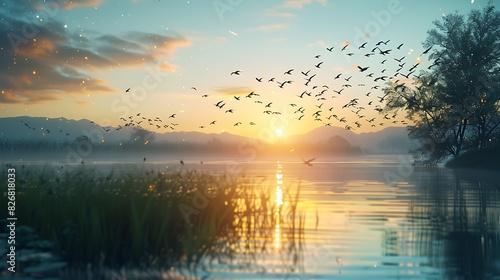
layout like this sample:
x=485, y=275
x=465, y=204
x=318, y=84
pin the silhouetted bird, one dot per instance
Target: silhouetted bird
x=399, y=60
x=427, y=50
x=414, y=66
x=308, y=162
x=362, y=69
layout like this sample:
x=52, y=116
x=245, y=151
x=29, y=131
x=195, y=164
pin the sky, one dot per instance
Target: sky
x=77, y=59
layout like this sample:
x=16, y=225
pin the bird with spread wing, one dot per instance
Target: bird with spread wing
x=308, y=162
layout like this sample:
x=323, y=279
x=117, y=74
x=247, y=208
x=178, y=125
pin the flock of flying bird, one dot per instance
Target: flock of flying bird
x=44, y=130
x=351, y=114
x=389, y=58
x=156, y=122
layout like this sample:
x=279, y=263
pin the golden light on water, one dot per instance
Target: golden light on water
x=279, y=203
x=279, y=196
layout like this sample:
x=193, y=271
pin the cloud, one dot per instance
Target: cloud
x=233, y=91
x=270, y=27
x=70, y=4
x=276, y=13
x=220, y=39
x=7, y=97
x=84, y=103
x=298, y=4
x=50, y=7
x=166, y=67
x=283, y=10
x=320, y=43
x=51, y=62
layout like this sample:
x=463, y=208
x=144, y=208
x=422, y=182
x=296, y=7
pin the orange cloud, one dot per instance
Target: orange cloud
x=80, y=3
x=298, y=4
x=56, y=62
x=275, y=13
x=233, y=91
x=276, y=26
x=165, y=66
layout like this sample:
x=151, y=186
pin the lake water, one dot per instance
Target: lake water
x=361, y=218
x=376, y=218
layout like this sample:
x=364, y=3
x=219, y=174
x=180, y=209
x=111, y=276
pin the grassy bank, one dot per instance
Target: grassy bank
x=141, y=219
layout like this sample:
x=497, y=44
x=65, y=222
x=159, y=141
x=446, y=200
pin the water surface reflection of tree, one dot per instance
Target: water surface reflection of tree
x=456, y=214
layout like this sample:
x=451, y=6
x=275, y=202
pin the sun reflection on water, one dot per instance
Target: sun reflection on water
x=279, y=203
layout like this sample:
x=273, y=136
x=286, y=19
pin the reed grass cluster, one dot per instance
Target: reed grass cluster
x=134, y=219
x=123, y=219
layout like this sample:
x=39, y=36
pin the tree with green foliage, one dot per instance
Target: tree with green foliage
x=454, y=103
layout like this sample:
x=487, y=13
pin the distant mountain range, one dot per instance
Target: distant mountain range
x=388, y=140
